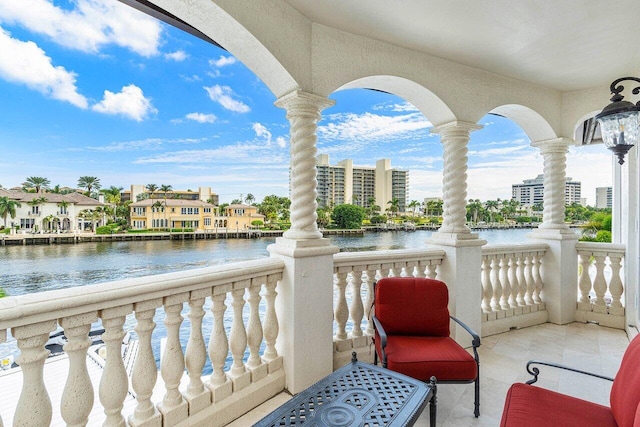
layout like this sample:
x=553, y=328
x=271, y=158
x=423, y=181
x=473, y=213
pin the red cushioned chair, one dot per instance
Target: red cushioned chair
x=412, y=333
x=528, y=405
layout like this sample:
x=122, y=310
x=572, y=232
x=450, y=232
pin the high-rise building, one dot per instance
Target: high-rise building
x=346, y=183
x=604, y=197
x=531, y=191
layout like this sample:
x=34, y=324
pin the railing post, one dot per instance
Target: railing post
x=219, y=384
x=196, y=395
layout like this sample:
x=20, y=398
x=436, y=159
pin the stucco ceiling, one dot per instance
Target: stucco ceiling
x=561, y=44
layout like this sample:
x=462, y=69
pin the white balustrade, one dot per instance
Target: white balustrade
x=600, y=287
x=511, y=285
x=132, y=304
x=354, y=276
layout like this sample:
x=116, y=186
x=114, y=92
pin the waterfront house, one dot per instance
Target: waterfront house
x=51, y=212
x=547, y=67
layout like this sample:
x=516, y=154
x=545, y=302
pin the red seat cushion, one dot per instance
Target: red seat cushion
x=625, y=392
x=422, y=357
x=528, y=405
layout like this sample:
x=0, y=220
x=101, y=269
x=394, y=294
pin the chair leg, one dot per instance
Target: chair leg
x=476, y=410
x=433, y=403
x=375, y=357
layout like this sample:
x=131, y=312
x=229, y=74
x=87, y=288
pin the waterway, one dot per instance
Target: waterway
x=35, y=268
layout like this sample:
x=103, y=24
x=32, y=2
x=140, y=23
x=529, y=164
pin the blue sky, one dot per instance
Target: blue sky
x=93, y=87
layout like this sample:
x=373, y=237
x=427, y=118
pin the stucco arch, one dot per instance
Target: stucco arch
x=532, y=123
x=274, y=60
x=433, y=108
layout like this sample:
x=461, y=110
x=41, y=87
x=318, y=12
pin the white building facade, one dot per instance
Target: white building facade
x=531, y=191
x=604, y=197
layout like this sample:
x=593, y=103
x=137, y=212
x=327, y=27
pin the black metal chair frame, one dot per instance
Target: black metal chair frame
x=535, y=371
x=476, y=343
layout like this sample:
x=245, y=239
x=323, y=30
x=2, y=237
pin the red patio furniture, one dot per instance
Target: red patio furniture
x=412, y=333
x=529, y=405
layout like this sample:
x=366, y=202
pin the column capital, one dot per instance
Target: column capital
x=455, y=127
x=555, y=145
x=301, y=101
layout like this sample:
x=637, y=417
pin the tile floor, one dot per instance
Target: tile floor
x=502, y=362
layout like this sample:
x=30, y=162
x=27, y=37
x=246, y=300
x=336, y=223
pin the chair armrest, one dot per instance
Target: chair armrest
x=476, y=337
x=383, y=338
x=535, y=371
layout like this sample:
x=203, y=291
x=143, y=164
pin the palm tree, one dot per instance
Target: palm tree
x=8, y=208
x=155, y=208
x=36, y=182
x=89, y=182
x=249, y=199
x=413, y=205
x=112, y=197
x=394, y=206
x=165, y=188
x=151, y=188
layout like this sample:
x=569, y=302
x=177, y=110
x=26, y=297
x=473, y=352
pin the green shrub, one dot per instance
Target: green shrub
x=603, y=236
x=348, y=216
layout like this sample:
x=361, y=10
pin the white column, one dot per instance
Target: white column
x=303, y=113
x=455, y=138
x=462, y=265
x=305, y=293
x=559, y=269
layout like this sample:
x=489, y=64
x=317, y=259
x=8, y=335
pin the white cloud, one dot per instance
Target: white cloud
x=25, y=62
x=282, y=142
x=492, y=152
x=223, y=95
x=223, y=61
x=201, y=117
x=143, y=144
x=355, y=131
x=229, y=154
x=90, y=26
x=130, y=102
x=178, y=56
x=262, y=131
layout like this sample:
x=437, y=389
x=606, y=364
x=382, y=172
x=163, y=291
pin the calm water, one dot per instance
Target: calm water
x=28, y=269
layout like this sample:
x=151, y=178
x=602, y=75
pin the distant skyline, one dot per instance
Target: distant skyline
x=96, y=88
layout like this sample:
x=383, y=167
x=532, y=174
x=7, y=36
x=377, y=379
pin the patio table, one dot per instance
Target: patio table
x=358, y=394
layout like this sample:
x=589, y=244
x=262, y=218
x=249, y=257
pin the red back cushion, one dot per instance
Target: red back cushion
x=412, y=306
x=625, y=392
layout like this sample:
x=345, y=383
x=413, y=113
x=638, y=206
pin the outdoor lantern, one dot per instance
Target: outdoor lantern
x=620, y=121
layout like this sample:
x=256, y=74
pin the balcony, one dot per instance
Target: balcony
x=230, y=353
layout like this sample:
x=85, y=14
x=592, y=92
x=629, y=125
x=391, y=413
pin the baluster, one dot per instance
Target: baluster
x=504, y=281
x=173, y=406
x=219, y=384
x=197, y=396
x=528, y=274
x=271, y=327
x=537, y=278
x=431, y=270
x=238, y=339
x=145, y=371
x=584, y=281
x=600, y=284
x=386, y=270
x=615, y=287
x=495, y=284
x=370, y=279
x=114, y=382
x=513, y=280
x=77, y=396
x=487, y=290
x=341, y=310
x=254, y=328
x=34, y=404
x=522, y=280
x=420, y=269
x=356, y=309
